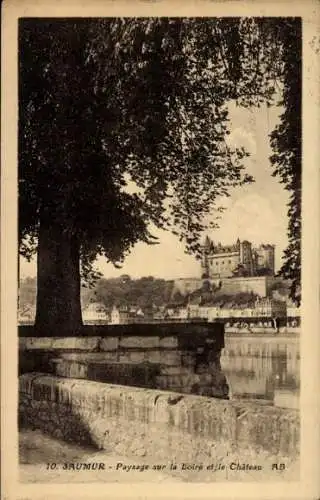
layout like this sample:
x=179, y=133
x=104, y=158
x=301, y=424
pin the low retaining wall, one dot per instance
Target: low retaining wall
x=178, y=357
x=146, y=422
x=208, y=380
x=166, y=344
x=184, y=330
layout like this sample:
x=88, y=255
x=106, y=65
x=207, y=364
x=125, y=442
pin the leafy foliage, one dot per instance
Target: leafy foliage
x=104, y=103
x=220, y=298
x=123, y=291
x=286, y=143
x=240, y=271
x=264, y=271
x=144, y=292
x=281, y=287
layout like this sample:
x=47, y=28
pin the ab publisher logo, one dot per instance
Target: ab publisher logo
x=278, y=466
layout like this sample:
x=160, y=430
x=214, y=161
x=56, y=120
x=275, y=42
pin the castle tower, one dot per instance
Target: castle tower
x=246, y=259
x=266, y=257
x=205, y=271
x=225, y=261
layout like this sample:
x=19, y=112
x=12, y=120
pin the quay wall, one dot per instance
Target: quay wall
x=160, y=424
x=177, y=357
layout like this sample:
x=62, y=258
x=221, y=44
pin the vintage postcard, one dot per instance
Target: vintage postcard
x=160, y=250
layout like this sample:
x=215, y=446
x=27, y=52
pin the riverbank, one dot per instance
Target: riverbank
x=286, y=332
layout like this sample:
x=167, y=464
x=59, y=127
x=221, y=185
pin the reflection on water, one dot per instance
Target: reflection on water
x=274, y=378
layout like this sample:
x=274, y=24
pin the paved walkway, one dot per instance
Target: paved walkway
x=36, y=450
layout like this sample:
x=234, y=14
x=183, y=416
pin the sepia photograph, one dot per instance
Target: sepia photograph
x=159, y=248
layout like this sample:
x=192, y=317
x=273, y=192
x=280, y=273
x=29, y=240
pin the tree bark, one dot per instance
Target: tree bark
x=58, y=291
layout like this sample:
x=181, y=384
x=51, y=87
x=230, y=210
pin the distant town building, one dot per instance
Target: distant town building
x=230, y=310
x=240, y=259
x=260, y=308
x=293, y=311
x=95, y=311
x=177, y=312
x=271, y=308
x=195, y=311
x=159, y=314
x=119, y=315
x=293, y=314
x=26, y=315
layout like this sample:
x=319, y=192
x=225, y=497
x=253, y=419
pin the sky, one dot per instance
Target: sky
x=256, y=212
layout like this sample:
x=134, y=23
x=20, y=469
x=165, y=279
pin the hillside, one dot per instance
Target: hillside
x=143, y=292
x=149, y=291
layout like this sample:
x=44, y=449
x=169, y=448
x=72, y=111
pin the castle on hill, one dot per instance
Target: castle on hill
x=240, y=259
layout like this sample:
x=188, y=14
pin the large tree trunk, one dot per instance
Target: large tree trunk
x=58, y=291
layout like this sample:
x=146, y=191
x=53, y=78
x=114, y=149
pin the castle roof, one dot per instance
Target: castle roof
x=210, y=247
x=222, y=249
x=267, y=246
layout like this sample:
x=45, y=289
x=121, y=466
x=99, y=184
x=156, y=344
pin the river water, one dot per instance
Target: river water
x=258, y=369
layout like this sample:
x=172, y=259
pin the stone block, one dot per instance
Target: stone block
x=161, y=382
x=89, y=356
x=132, y=357
x=134, y=374
x=35, y=360
x=71, y=369
x=175, y=370
x=141, y=342
x=188, y=359
x=187, y=379
x=153, y=356
x=81, y=343
x=169, y=342
x=30, y=343
x=205, y=378
x=269, y=429
x=172, y=358
x=287, y=399
x=109, y=344
x=181, y=380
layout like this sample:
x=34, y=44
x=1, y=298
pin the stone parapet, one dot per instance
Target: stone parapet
x=208, y=381
x=176, y=352
x=59, y=343
x=134, y=374
x=144, y=422
x=180, y=330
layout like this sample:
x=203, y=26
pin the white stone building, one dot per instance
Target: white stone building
x=270, y=308
x=95, y=311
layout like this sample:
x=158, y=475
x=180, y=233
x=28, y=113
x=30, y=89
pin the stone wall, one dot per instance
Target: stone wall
x=146, y=422
x=257, y=284
x=178, y=357
x=185, y=330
